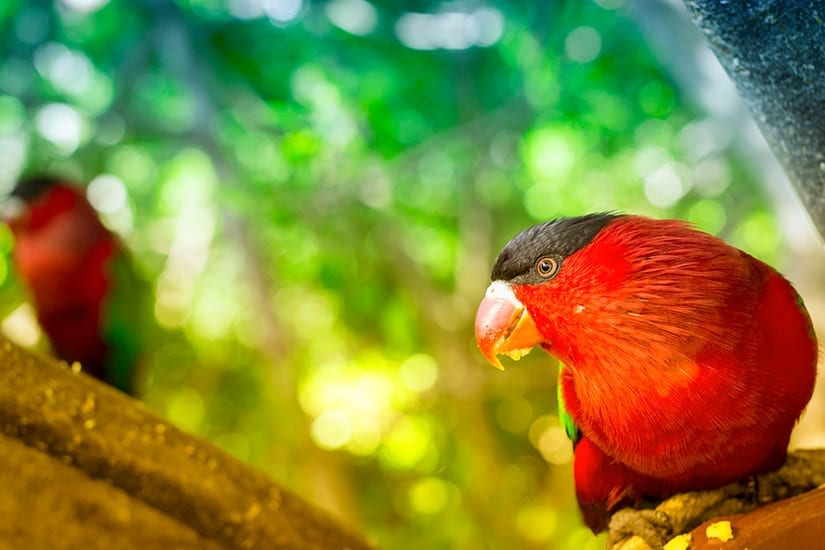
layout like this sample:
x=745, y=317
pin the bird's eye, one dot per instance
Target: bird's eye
x=547, y=267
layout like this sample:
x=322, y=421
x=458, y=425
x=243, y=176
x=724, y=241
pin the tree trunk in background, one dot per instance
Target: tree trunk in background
x=774, y=50
x=84, y=466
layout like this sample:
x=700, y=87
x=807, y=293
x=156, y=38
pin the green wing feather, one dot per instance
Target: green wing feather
x=566, y=420
x=124, y=317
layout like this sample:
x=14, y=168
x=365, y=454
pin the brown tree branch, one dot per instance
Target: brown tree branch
x=91, y=464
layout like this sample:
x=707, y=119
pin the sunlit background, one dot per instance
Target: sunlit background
x=314, y=193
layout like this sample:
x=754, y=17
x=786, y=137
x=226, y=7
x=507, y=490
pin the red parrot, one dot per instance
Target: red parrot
x=685, y=361
x=73, y=267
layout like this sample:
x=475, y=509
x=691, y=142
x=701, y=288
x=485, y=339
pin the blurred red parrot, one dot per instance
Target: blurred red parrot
x=79, y=278
x=685, y=361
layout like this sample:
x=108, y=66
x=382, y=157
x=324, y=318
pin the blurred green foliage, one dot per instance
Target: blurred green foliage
x=316, y=192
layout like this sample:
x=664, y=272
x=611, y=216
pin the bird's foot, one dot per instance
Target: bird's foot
x=651, y=526
x=803, y=471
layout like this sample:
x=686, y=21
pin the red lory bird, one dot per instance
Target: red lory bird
x=80, y=281
x=685, y=361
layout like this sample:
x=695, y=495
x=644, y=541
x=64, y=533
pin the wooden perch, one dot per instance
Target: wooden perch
x=784, y=505
x=794, y=523
x=84, y=466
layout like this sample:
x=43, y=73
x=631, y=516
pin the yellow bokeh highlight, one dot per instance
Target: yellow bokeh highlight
x=548, y=436
x=407, y=444
x=419, y=372
x=332, y=430
x=429, y=495
x=373, y=393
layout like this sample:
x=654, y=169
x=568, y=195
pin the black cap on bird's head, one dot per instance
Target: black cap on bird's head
x=30, y=191
x=555, y=239
x=30, y=188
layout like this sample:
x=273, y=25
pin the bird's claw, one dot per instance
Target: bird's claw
x=651, y=525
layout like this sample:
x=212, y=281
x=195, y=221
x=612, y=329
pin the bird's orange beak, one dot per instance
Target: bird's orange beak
x=503, y=325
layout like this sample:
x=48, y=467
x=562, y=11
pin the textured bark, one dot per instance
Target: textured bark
x=793, y=524
x=774, y=50
x=84, y=466
x=764, y=512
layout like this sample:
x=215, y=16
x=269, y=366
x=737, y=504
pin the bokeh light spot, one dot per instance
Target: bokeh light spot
x=429, y=495
x=245, y=9
x=84, y=6
x=550, y=153
x=282, y=11
x=21, y=326
x=68, y=70
x=419, y=372
x=62, y=125
x=332, y=430
x=357, y=17
x=555, y=446
x=490, y=24
x=708, y=215
x=547, y=435
x=583, y=44
x=107, y=193
x=406, y=444
x=664, y=186
x=450, y=30
x=712, y=177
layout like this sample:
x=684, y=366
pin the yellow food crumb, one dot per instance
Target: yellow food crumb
x=719, y=530
x=679, y=542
